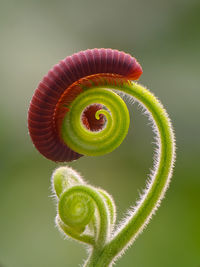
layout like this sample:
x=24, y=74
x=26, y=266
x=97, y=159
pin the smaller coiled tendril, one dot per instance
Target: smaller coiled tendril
x=84, y=212
x=75, y=111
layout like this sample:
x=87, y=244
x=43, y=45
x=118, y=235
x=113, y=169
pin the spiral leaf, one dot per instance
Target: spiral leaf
x=94, y=143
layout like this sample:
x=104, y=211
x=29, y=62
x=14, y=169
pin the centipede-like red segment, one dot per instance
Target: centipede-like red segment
x=60, y=87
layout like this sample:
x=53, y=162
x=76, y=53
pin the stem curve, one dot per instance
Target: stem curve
x=107, y=248
x=155, y=190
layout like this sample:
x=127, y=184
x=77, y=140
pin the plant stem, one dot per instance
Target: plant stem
x=155, y=190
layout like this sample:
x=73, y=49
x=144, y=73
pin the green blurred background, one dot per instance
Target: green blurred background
x=165, y=37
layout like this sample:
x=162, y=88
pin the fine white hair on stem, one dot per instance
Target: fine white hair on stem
x=149, y=182
x=111, y=246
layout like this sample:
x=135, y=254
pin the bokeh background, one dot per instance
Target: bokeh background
x=165, y=37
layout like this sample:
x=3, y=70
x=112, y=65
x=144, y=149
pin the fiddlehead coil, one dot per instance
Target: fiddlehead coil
x=59, y=88
x=75, y=209
x=74, y=112
x=94, y=143
x=85, y=213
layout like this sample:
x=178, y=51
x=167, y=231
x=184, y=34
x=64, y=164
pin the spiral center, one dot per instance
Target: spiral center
x=78, y=208
x=109, y=124
x=90, y=120
x=75, y=209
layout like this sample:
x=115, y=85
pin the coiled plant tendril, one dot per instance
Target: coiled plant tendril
x=85, y=213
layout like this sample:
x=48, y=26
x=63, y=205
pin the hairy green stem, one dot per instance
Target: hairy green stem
x=111, y=208
x=155, y=189
x=77, y=216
